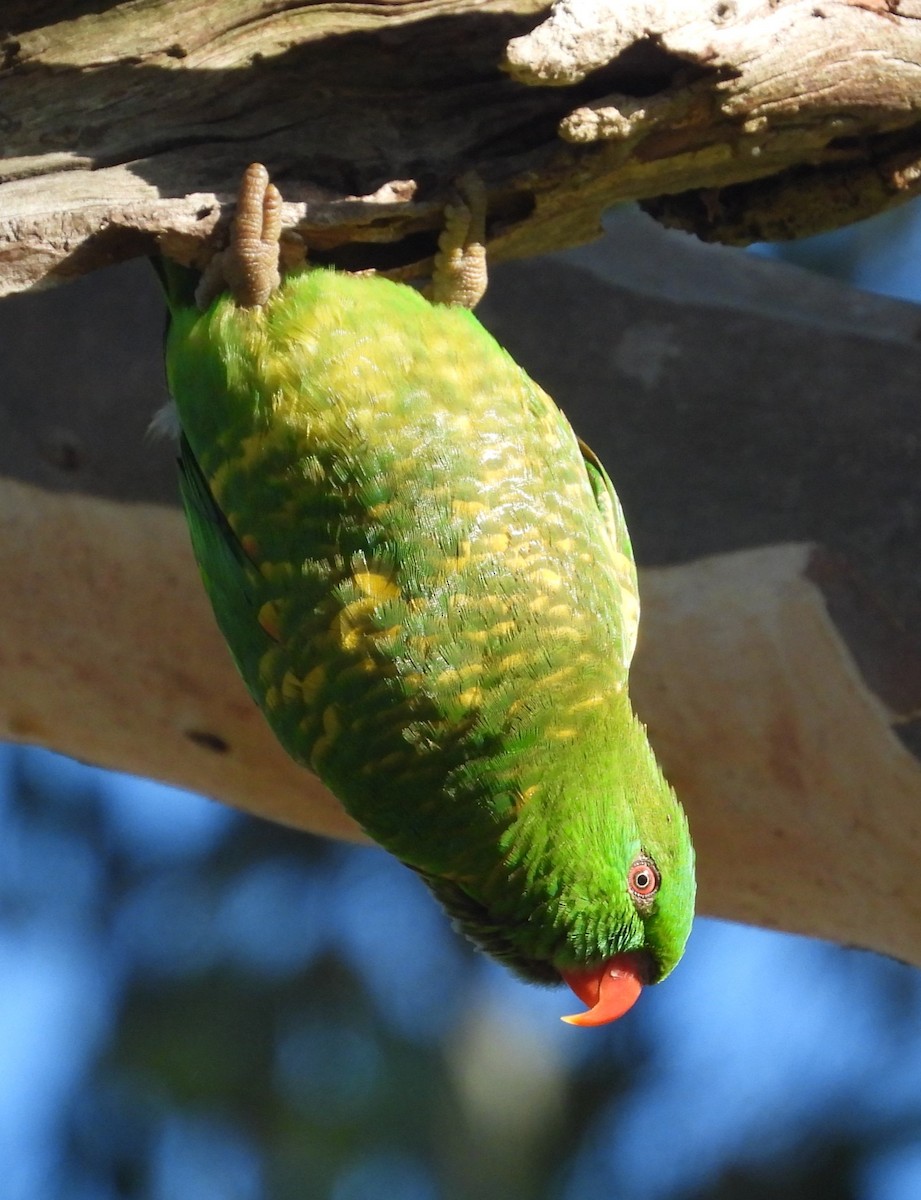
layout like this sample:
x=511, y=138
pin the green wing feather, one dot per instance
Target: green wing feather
x=612, y=516
x=228, y=575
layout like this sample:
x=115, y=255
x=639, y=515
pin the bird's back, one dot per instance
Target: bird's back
x=435, y=581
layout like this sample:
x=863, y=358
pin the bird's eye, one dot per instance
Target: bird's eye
x=643, y=879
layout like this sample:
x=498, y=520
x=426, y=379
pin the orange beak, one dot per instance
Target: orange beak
x=609, y=990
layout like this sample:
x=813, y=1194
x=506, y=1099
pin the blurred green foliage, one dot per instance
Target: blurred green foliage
x=272, y=1015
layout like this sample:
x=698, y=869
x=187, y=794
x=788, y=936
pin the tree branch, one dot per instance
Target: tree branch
x=803, y=800
x=127, y=127
x=744, y=410
x=783, y=701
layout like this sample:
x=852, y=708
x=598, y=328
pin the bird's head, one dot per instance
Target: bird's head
x=595, y=885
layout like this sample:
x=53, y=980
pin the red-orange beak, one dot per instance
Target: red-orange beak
x=609, y=990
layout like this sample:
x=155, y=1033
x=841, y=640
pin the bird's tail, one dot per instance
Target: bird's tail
x=178, y=282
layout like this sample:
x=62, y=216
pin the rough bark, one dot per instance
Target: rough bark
x=126, y=124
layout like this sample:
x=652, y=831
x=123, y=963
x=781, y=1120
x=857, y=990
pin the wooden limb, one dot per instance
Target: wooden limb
x=784, y=706
x=109, y=653
x=125, y=129
x=736, y=403
x=804, y=800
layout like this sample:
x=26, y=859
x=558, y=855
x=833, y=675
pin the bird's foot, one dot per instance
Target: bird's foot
x=459, y=277
x=248, y=268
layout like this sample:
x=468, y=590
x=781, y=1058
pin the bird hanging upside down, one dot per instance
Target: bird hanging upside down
x=427, y=584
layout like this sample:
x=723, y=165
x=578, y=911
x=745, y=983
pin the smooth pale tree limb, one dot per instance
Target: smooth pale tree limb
x=736, y=402
x=109, y=653
x=806, y=805
x=785, y=744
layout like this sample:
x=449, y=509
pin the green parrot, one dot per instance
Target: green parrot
x=428, y=587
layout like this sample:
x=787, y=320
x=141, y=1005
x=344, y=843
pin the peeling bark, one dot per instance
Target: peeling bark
x=127, y=128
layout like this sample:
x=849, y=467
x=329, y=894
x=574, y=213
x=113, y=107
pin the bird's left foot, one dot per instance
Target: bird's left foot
x=459, y=277
x=248, y=268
